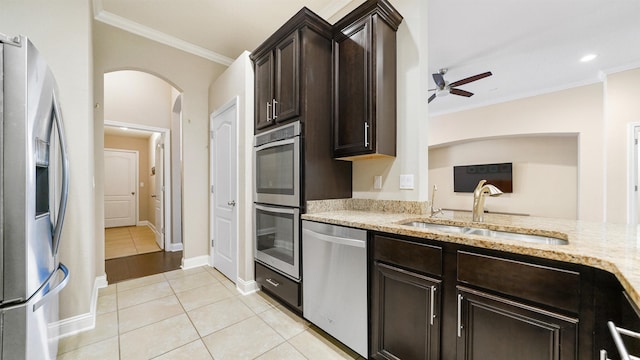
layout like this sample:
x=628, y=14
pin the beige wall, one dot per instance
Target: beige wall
x=141, y=145
x=602, y=115
x=412, y=120
x=118, y=50
x=237, y=81
x=574, y=111
x=545, y=171
x=61, y=30
x=622, y=111
x=138, y=98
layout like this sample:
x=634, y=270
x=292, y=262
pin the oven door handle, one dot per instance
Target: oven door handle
x=278, y=210
x=277, y=143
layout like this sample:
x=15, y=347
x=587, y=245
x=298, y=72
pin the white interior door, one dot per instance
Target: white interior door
x=224, y=190
x=120, y=180
x=158, y=197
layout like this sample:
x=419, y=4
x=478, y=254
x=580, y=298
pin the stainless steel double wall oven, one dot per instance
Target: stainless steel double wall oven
x=277, y=199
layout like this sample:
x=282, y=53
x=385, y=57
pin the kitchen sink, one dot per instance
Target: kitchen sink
x=437, y=227
x=498, y=234
x=517, y=236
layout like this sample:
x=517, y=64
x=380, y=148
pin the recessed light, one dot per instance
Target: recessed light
x=588, y=57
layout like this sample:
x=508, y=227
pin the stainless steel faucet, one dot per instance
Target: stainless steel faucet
x=478, y=199
x=434, y=211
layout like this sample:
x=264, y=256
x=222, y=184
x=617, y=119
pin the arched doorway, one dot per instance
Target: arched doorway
x=142, y=117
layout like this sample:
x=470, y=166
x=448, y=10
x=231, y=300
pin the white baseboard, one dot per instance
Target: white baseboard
x=174, y=247
x=246, y=287
x=195, y=262
x=83, y=322
x=100, y=282
x=143, y=223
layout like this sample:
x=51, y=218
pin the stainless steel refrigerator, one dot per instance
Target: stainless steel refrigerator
x=33, y=198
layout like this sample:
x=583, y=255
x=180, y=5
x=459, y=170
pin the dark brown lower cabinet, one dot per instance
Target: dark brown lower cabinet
x=287, y=291
x=433, y=300
x=496, y=328
x=405, y=314
x=613, y=304
x=630, y=320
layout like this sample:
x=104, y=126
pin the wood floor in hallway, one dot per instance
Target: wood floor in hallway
x=137, y=266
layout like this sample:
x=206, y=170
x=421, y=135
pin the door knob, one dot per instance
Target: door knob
x=154, y=195
x=231, y=203
x=133, y=193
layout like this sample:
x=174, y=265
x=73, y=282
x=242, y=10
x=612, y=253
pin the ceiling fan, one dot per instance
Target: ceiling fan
x=445, y=88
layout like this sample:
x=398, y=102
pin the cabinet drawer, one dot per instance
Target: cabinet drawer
x=278, y=285
x=545, y=285
x=419, y=257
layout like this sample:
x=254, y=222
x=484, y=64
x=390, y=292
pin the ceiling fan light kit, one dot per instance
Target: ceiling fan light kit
x=444, y=88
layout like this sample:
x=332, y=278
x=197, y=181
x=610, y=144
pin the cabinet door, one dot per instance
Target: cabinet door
x=491, y=327
x=287, y=87
x=264, y=91
x=352, y=127
x=405, y=314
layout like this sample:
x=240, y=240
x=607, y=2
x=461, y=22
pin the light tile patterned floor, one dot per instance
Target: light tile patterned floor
x=196, y=314
x=129, y=240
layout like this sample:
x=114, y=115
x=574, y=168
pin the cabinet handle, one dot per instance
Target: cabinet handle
x=366, y=134
x=272, y=282
x=275, y=116
x=268, y=111
x=460, y=315
x=433, y=305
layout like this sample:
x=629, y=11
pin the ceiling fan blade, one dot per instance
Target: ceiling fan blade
x=431, y=98
x=470, y=79
x=460, y=92
x=439, y=79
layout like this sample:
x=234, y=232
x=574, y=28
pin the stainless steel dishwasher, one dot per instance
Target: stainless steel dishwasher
x=334, y=271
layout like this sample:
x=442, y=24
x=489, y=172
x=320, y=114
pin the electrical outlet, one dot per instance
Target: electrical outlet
x=406, y=182
x=377, y=182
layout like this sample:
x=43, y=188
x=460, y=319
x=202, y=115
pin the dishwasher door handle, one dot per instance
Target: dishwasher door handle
x=334, y=239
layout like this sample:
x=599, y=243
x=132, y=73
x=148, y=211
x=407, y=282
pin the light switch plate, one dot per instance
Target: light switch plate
x=406, y=182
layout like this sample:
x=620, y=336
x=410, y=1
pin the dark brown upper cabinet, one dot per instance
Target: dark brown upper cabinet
x=283, y=65
x=293, y=83
x=276, y=83
x=364, y=84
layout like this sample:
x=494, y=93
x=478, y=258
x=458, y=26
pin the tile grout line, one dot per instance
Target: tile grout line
x=255, y=305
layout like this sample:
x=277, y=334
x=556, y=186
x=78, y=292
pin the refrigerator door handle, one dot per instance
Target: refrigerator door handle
x=55, y=290
x=64, y=192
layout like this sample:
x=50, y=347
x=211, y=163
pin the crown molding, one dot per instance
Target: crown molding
x=133, y=27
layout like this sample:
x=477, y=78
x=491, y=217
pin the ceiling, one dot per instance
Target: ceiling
x=531, y=47
x=216, y=29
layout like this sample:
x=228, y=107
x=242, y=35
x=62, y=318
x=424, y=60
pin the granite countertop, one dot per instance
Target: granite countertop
x=611, y=247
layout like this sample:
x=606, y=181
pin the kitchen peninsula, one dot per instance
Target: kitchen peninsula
x=566, y=292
